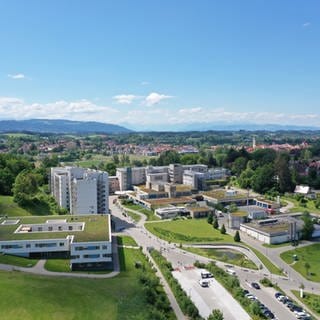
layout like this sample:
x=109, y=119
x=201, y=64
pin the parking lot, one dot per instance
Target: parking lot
x=208, y=298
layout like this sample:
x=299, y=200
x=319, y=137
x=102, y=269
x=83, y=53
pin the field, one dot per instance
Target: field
x=310, y=254
x=28, y=297
x=225, y=255
x=188, y=231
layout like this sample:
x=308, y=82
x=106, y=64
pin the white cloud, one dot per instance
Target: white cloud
x=125, y=98
x=155, y=98
x=17, y=76
x=14, y=108
x=190, y=110
x=306, y=24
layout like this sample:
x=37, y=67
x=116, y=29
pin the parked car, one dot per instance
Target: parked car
x=231, y=271
x=206, y=274
x=278, y=294
x=204, y=283
x=255, y=285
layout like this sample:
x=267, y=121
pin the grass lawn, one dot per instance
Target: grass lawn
x=186, y=231
x=310, y=300
x=28, y=297
x=225, y=255
x=126, y=241
x=149, y=213
x=136, y=217
x=310, y=254
x=17, y=261
x=269, y=265
x=10, y=208
x=298, y=208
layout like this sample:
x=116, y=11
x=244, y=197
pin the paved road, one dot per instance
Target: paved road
x=180, y=258
x=213, y=297
x=133, y=230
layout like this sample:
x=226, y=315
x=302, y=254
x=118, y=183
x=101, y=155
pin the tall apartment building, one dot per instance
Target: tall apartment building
x=79, y=190
x=129, y=177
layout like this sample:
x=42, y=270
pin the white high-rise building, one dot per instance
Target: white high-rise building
x=79, y=190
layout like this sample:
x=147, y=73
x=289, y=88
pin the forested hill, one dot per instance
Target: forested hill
x=59, y=126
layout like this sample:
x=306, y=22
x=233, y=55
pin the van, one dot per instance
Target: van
x=231, y=271
x=204, y=283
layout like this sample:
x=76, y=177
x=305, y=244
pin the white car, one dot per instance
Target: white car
x=204, y=283
x=302, y=315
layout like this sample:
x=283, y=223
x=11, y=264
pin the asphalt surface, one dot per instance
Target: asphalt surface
x=208, y=298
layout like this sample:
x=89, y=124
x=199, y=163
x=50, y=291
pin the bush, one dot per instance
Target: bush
x=223, y=230
x=237, y=237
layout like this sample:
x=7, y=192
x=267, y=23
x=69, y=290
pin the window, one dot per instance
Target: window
x=39, y=228
x=75, y=257
x=87, y=248
x=45, y=245
x=60, y=228
x=91, y=256
x=11, y=246
x=70, y=228
x=49, y=228
x=28, y=245
x=61, y=244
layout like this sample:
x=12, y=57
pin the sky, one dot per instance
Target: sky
x=161, y=63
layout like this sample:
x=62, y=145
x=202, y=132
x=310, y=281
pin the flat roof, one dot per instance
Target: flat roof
x=166, y=201
x=222, y=194
x=239, y=214
x=200, y=209
x=96, y=228
x=272, y=229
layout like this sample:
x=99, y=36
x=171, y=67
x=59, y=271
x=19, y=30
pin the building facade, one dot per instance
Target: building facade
x=79, y=190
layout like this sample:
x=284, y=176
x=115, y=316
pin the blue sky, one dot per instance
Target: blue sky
x=158, y=62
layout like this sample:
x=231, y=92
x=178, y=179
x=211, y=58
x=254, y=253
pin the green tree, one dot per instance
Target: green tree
x=111, y=168
x=239, y=165
x=233, y=207
x=25, y=187
x=216, y=315
x=308, y=227
x=246, y=178
x=223, y=229
x=215, y=223
x=263, y=179
x=283, y=173
x=307, y=267
x=210, y=218
x=237, y=236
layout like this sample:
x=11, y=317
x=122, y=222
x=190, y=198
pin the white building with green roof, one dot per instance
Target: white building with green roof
x=85, y=240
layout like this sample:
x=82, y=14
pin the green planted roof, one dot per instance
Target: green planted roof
x=96, y=228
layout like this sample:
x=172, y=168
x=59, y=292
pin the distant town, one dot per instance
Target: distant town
x=241, y=213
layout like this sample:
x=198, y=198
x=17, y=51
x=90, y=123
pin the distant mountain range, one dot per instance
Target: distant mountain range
x=60, y=126
x=68, y=126
x=220, y=127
